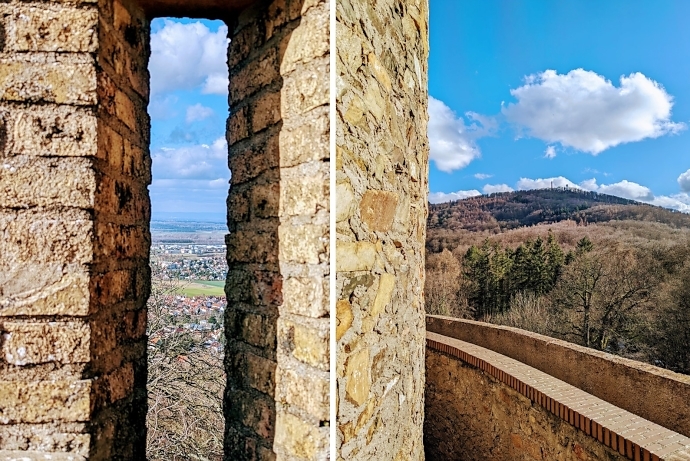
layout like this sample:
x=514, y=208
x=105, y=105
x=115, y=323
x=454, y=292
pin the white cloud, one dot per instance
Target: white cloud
x=684, y=181
x=627, y=189
x=188, y=56
x=200, y=162
x=583, y=110
x=198, y=112
x=545, y=183
x=492, y=188
x=452, y=143
x=440, y=197
x=550, y=152
x=483, y=176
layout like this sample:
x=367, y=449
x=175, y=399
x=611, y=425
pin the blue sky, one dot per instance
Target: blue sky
x=591, y=94
x=189, y=109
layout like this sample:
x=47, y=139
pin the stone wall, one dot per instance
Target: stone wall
x=277, y=321
x=471, y=416
x=74, y=239
x=654, y=393
x=381, y=174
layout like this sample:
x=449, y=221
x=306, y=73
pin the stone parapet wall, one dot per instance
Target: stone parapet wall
x=484, y=405
x=381, y=174
x=74, y=238
x=659, y=395
x=277, y=321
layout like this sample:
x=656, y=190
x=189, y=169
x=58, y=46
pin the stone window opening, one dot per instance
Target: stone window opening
x=75, y=214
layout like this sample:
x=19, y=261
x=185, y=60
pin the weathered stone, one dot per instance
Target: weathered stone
x=300, y=439
x=302, y=296
x=30, y=343
x=344, y=202
x=44, y=401
x=355, y=256
x=344, y=318
x=304, y=389
x=383, y=294
x=377, y=209
x=357, y=377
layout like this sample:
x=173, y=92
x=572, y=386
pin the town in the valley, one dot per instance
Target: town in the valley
x=188, y=276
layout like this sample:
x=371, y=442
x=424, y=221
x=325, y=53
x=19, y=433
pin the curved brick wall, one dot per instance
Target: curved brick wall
x=653, y=393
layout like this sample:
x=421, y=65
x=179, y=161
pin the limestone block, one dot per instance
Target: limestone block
x=344, y=204
x=31, y=342
x=21, y=455
x=34, y=291
x=48, y=27
x=60, y=78
x=308, y=343
x=383, y=294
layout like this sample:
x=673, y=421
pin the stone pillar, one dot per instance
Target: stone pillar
x=277, y=360
x=74, y=240
x=382, y=169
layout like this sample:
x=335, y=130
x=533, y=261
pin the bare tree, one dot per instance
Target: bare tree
x=185, y=388
x=602, y=295
x=444, y=285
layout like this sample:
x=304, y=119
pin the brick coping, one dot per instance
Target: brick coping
x=628, y=434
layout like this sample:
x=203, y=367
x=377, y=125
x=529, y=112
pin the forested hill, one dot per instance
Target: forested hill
x=510, y=210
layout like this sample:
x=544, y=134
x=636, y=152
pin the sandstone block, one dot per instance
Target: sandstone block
x=358, y=377
x=306, y=142
x=238, y=125
x=260, y=373
x=300, y=439
x=62, y=79
x=44, y=401
x=49, y=130
x=344, y=202
x=22, y=455
x=310, y=40
x=355, y=256
x=247, y=161
x=52, y=293
x=63, y=182
x=266, y=111
x=31, y=343
x=304, y=196
x=47, y=27
x=305, y=243
x=304, y=296
x=344, y=318
x=252, y=247
x=305, y=388
x=254, y=75
x=377, y=209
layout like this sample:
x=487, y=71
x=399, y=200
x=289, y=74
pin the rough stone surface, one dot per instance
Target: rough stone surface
x=472, y=416
x=277, y=356
x=381, y=184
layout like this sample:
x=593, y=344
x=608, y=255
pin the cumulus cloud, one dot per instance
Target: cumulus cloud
x=188, y=56
x=200, y=162
x=550, y=152
x=627, y=189
x=493, y=188
x=482, y=176
x=440, y=197
x=545, y=183
x=684, y=181
x=198, y=112
x=583, y=110
x=453, y=143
